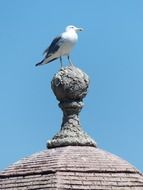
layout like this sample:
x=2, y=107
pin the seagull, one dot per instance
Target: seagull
x=61, y=46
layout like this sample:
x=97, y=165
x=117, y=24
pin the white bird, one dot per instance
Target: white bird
x=61, y=46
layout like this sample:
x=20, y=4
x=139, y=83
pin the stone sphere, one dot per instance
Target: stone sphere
x=70, y=83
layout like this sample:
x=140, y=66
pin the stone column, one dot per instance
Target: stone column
x=70, y=86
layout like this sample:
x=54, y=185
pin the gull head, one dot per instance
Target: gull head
x=73, y=28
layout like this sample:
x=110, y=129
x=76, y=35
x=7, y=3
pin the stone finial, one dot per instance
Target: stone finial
x=70, y=86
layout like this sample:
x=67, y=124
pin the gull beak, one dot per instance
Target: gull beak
x=79, y=29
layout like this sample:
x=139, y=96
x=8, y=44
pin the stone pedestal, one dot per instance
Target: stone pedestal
x=70, y=86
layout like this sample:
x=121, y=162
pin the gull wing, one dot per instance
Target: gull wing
x=54, y=46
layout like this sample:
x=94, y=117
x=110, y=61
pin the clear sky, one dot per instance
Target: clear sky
x=109, y=50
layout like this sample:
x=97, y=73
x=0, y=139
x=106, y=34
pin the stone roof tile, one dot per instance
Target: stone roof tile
x=71, y=167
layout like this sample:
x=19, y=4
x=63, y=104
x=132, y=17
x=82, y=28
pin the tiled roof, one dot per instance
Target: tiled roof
x=71, y=167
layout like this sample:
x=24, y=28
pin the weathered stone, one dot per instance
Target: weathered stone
x=70, y=86
x=70, y=83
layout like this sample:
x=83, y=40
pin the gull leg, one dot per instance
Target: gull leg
x=61, y=62
x=70, y=60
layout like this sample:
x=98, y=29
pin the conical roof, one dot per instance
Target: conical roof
x=71, y=167
x=72, y=160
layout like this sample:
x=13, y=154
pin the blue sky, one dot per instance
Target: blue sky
x=109, y=51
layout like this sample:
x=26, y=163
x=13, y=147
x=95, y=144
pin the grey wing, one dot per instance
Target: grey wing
x=54, y=46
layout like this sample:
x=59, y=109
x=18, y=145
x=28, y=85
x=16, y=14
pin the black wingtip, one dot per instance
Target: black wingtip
x=37, y=64
x=40, y=63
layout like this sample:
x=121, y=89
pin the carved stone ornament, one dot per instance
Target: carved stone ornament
x=70, y=86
